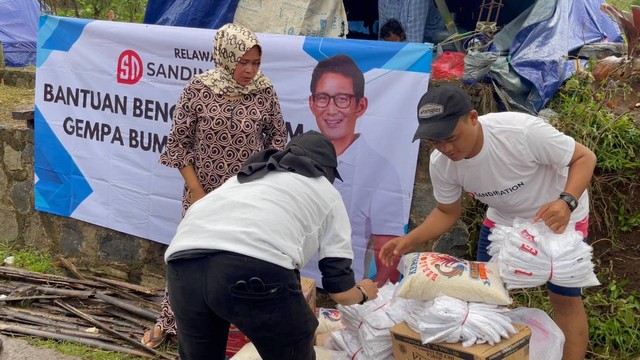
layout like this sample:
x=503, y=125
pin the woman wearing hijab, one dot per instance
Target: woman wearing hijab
x=222, y=117
x=242, y=265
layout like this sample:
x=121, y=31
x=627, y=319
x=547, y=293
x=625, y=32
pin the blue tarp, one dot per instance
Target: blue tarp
x=539, y=41
x=18, y=31
x=203, y=14
x=535, y=45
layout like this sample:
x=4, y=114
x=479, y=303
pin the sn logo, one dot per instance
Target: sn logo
x=129, y=67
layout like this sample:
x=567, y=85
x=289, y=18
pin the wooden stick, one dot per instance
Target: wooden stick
x=124, y=285
x=149, y=315
x=134, y=320
x=153, y=305
x=22, y=274
x=57, y=330
x=11, y=329
x=33, y=297
x=114, y=333
x=57, y=318
x=69, y=266
x=8, y=314
x=80, y=294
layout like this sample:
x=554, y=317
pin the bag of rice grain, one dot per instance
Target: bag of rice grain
x=428, y=275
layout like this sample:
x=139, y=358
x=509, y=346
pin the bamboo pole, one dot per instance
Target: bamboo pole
x=124, y=285
x=17, y=329
x=149, y=315
x=112, y=332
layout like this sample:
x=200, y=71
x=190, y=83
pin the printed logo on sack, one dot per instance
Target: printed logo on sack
x=129, y=67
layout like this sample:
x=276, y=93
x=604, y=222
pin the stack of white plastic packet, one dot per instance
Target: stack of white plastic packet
x=366, y=334
x=530, y=254
x=447, y=319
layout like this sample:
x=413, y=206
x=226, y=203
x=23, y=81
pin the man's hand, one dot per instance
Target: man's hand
x=394, y=249
x=555, y=215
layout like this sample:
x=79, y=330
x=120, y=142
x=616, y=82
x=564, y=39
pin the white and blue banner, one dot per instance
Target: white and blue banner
x=105, y=92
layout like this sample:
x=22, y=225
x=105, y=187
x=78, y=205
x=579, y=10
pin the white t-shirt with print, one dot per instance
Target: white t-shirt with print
x=522, y=165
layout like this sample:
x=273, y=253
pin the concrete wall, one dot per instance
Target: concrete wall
x=132, y=258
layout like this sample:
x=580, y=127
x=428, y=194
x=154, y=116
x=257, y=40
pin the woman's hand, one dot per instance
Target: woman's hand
x=370, y=287
x=196, y=194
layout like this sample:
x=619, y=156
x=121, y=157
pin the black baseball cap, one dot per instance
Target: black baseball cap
x=439, y=110
x=317, y=148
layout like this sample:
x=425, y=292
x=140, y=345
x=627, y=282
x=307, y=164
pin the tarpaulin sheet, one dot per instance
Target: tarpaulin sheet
x=540, y=39
x=18, y=31
x=203, y=14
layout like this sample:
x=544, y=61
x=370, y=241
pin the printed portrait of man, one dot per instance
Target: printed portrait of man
x=371, y=188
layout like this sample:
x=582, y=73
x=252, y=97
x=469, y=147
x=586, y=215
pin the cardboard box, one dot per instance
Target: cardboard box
x=408, y=346
x=309, y=292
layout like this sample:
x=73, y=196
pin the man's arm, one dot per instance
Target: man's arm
x=384, y=273
x=356, y=295
x=556, y=214
x=438, y=222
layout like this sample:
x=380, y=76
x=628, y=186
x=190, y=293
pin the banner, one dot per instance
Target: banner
x=105, y=93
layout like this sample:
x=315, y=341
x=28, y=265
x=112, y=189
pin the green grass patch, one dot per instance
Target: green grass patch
x=29, y=259
x=614, y=323
x=87, y=353
x=583, y=113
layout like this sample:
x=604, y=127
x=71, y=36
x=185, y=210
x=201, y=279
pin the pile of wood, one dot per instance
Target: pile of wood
x=102, y=313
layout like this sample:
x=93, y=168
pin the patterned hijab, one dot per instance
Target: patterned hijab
x=229, y=45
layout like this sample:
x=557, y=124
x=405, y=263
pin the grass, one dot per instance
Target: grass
x=623, y=4
x=27, y=258
x=614, y=326
x=83, y=352
x=11, y=97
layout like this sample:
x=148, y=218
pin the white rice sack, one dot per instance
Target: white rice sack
x=428, y=275
x=329, y=320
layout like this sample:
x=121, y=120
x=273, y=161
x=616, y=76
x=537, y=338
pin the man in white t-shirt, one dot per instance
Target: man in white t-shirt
x=371, y=188
x=237, y=253
x=519, y=166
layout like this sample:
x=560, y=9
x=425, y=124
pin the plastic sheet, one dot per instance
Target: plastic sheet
x=18, y=31
x=529, y=255
x=190, y=13
x=547, y=340
x=447, y=319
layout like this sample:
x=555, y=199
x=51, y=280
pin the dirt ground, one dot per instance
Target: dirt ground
x=18, y=349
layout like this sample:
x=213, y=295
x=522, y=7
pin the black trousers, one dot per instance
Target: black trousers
x=262, y=300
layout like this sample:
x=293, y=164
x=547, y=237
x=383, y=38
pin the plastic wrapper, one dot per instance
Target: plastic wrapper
x=450, y=320
x=530, y=254
x=547, y=340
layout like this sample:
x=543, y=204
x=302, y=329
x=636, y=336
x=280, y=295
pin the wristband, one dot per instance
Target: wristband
x=570, y=200
x=365, y=296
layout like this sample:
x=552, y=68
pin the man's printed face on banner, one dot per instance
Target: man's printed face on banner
x=335, y=106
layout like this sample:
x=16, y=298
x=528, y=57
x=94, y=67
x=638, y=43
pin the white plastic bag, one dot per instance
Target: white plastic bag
x=530, y=254
x=547, y=340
